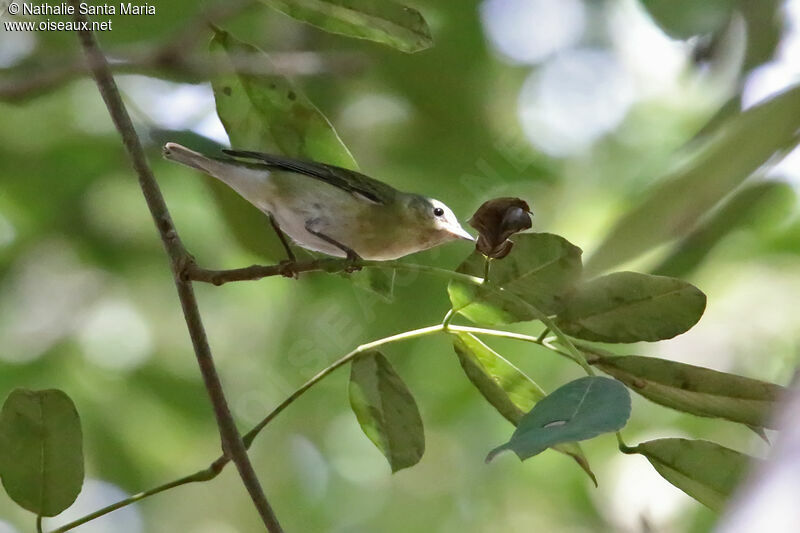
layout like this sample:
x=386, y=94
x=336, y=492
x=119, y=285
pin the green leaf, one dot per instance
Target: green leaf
x=704, y=470
x=381, y=21
x=696, y=390
x=632, y=307
x=686, y=18
x=503, y=385
x=764, y=26
x=769, y=201
x=506, y=388
x=678, y=201
x=683, y=19
x=577, y=411
x=41, y=450
x=265, y=113
x=542, y=270
x=378, y=281
x=386, y=410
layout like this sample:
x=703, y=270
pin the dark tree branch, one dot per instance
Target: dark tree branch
x=290, y=269
x=255, y=272
x=232, y=443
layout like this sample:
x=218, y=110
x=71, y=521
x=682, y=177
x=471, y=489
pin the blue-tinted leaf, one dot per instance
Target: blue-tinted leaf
x=506, y=388
x=577, y=411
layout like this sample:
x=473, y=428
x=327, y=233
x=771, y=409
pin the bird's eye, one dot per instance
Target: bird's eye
x=438, y=211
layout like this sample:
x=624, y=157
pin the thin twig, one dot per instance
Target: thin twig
x=254, y=272
x=231, y=440
x=219, y=464
x=251, y=435
x=544, y=333
x=202, y=475
x=437, y=328
x=448, y=317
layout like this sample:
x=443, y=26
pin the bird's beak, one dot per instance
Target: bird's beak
x=461, y=233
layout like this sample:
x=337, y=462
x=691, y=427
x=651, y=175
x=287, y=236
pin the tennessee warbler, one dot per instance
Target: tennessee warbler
x=330, y=209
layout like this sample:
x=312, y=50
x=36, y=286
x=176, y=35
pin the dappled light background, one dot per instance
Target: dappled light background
x=578, y=107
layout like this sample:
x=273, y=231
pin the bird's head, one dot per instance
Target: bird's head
x=437, y=222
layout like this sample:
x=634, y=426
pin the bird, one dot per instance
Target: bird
x=329, y=209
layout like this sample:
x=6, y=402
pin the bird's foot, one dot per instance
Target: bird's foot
x=350, y=261
x=287, y=269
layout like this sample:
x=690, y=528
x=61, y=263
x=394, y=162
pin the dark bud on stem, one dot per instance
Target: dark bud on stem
x=496, y=220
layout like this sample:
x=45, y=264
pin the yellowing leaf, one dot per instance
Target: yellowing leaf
x=706, y=471
x=696, y=390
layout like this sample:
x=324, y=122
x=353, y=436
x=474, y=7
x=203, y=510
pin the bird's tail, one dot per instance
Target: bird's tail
x=181, y=154
x=252, y=183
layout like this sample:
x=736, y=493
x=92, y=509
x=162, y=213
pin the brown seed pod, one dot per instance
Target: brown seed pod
x=496, y=220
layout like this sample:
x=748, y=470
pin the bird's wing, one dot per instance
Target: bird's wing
x=348, y=180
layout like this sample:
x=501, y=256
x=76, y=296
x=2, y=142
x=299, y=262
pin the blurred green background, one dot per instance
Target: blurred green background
x=578, y=106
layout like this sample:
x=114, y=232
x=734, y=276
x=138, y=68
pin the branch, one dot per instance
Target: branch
x=255, y=272
x=289, y=269
x=231, y=440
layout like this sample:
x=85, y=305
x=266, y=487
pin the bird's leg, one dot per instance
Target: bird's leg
x=288, y=263
x=282, y=237
x=351, y=255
